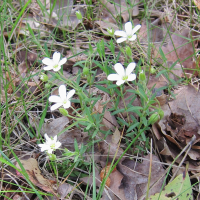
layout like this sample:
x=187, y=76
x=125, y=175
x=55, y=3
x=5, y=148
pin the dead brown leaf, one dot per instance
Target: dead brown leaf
x=31, y=167
x=109, y=120
x=180, y=47
x=155, y=32
x=64, y=189
x=185, y=119
x=136, y=177
x=110, y=11
x=116, y=136
x=180, y=123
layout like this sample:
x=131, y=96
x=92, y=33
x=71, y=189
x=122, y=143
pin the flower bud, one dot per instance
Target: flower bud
x=110, y=31
x=128, y=51
x=52, y=157
x=153, y=70
x=79, y=15
x=161, y=113
x=86, y=71
x=43, y=77
x=63, y=112
x=47, y=85
x=142, y=76
x=153, y=118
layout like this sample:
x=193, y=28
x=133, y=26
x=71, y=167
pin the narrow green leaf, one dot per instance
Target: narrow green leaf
x=118, y=111
x=133, y=126
x=102, y=88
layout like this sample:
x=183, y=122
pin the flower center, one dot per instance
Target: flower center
x=53, y=146
x=130, y=36
x=65, y=101
x=55, y=66
x=125, y=77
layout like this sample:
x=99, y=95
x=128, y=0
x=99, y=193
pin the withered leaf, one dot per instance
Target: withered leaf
x=31, y=167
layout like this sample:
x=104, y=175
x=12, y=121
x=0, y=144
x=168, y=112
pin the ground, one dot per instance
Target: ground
x=99, y=99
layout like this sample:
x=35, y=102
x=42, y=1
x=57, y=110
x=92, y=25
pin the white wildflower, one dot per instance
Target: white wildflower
x=63, y=99
x=128, y=34
x=50, y=145
x=54, y=63
x=122, y=75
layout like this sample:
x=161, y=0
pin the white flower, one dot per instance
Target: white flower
x=50, y=145
x=128, y=34
x=54, y=63
x=122, y=75
x=63, y=99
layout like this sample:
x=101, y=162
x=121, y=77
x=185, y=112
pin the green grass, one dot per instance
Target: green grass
x=99, y=54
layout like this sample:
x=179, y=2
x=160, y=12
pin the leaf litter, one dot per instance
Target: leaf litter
x=181, y=120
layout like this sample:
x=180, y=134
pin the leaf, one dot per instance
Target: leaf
x=134, y=108
x=133, y=126
x=135, y=178
x=64, y=189
x=31, y=167
x=179, y=188
x=118, y=111
x=180, y=47
x=116, y=136
x=102, y=88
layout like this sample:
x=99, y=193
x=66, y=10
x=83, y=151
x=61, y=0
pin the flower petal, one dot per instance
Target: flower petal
x=136, y=28
x=55, y=138
x=130, y=68
x=63, y=61
x=44, y=148
x=131, y=77
x=119, y=69
x=132, y=38
x=56, y=57
x=122, y=39
x=41, y=145
x=120, y=33
x=120, y=82
x=47, y=61
x=57, y=145
x=55, y=106
x=114, y=77
x=70, y=94
x=50, y=67
x=47, y=138
x=128, y=28
x=62, y=92
x=67, y=104
x=55, y=99
x=50, y=151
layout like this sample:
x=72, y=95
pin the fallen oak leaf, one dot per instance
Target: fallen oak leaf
x=179, y=47
x=136, y=177
x=34, y=173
